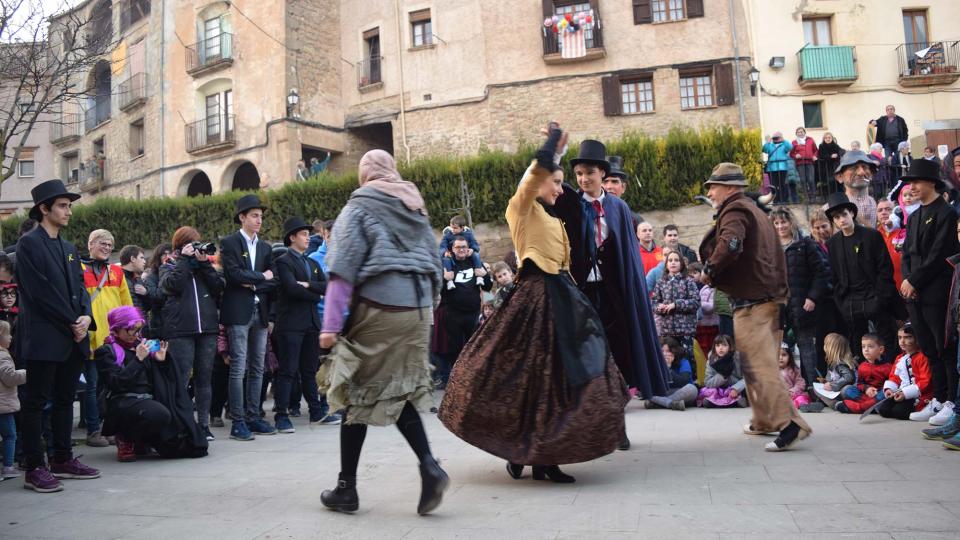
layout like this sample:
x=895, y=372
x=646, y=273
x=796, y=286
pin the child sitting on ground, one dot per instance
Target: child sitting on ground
x=908, y=389
x=841, y=372
x=723, y=383
x=871, y=374
x=792, y=377
x=504, y=276
x=458, y=227
x=680, y=388
x=10, y=378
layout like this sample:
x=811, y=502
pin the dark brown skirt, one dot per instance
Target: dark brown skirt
x=509, y=393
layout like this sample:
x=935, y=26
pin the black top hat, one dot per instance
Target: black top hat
x=838, y=201
x=246, y=203
x=291, y=226
x=616, y=167
x=592, y=152
x=47, y=192
x=924, y=169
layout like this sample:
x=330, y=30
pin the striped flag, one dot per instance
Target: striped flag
x=573, y=44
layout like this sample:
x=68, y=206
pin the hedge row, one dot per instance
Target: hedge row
x=671, y=170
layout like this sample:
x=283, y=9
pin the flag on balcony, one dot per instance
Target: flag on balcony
x=573, y=44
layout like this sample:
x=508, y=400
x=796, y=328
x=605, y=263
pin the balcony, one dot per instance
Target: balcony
x=369, y=74
x=133, y=92
x=832, y=65
x=211, y=134
x=91, y=174
x=98, y=114
x=66, y=130
x=927, y=64
x=210, y=54
x=553, y=47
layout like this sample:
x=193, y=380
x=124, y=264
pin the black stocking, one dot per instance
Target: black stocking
x=411, y=427
x=351, y=443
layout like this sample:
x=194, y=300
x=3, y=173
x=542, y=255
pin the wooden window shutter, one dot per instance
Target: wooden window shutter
x=26, y=154
x=418, y=16
x=694, y=8
x=611, y=95
x=549, y=38
x=723, y=79
x=641, y=12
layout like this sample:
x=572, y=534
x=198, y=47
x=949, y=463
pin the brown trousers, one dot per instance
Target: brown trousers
x=759, y=335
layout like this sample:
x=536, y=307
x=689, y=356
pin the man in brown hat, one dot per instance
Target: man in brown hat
x=744, y=259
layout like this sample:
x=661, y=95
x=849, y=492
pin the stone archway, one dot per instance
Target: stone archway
x=246, y=178
x=199, y=185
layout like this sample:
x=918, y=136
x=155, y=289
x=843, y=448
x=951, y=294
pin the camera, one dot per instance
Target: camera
x=206, y=248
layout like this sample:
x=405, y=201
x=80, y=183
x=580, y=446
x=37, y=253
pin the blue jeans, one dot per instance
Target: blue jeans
x=9, y=433
x=851, y=392
x=91, y=409
x=196, y=353
x=248, y=348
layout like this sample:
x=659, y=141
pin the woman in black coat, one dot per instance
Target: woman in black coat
x=829, y=153
x=155, y=297
x=190, y=319
x=808, y=278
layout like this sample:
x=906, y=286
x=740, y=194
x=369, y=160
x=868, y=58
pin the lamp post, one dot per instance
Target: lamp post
x=293, y=99
x=754, y=74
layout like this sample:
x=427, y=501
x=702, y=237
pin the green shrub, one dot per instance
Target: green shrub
x=671, y=171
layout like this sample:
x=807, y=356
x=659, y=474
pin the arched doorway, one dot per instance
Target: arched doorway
x=246, y=178
x=199, y=185
x=99, y=88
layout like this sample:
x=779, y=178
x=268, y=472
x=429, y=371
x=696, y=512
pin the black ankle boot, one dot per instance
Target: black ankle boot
x=433, y=483
x=553, y=472
x=625, y=443
x=515, y=471
x=344, y=498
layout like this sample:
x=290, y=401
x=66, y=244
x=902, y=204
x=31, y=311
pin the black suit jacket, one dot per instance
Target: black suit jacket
x=52, y=297
x=297, y=305
x=237, y=303
x=931, y=239
x=874, y=263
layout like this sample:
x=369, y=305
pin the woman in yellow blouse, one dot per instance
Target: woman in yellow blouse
x=536, y=384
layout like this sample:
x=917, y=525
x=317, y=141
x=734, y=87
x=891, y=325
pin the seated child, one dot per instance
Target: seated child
x=458, y=227
x=680, y=388
x=792, y=377
x=723, y=383
x=908, y=389
x=486, y=311
x=871, y=374
x=841, y=371
x=10, y=379
x=504, y=276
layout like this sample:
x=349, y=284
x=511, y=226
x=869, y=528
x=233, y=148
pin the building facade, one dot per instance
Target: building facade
x=833, y=65
x=194, y=97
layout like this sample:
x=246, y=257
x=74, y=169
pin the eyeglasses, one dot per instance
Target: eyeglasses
x=135, y=330
x=461, y=248
x=8, y=292
x=108, y=245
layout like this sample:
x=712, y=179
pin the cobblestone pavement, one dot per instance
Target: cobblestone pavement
x=689, y=474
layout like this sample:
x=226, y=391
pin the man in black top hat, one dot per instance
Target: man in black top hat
x=862, y=275
x=54, y=321
x=248, y=269
x=615, y=183
x=302, y=284
x=931, y=239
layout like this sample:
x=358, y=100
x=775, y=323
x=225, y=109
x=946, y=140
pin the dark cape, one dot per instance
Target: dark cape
x=632, y=333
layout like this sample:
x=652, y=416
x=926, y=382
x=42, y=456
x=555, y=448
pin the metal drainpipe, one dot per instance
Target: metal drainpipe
x=403, y=109
x=163, y=16
x=736, y=64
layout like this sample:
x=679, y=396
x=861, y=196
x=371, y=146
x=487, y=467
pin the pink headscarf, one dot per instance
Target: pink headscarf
x=119, y=318
x=378, y=170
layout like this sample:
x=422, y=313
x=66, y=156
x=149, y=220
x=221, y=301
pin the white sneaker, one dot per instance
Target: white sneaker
x=942, y=417
x=924, y=414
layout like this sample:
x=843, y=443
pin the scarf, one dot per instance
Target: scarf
x=119, y=348
x=724, y=365
x=378, y=170
x=802, y=141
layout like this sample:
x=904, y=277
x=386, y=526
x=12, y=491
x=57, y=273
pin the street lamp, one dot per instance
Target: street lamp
x=754, y=74
x=293, y=99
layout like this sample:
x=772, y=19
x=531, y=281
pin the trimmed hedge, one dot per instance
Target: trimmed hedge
x=671, y=169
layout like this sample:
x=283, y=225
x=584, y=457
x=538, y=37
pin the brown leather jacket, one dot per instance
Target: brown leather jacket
x=742, y=253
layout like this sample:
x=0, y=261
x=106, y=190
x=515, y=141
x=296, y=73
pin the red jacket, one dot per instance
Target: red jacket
x=804, y=153
x=651, y=258
x=872, y=375
x=911, y=375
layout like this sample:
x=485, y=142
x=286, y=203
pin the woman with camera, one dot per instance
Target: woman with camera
x=190, y=319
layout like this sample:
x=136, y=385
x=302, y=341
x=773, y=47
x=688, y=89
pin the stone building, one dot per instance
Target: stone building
x=194, y=97
x=833, y=65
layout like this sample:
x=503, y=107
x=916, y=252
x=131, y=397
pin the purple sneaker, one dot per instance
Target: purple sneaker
x=73, y=469
x=41, y=481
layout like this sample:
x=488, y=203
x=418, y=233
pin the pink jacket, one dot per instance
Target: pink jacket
x=804, y=153
x=793, y=380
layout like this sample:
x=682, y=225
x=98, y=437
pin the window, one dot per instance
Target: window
x=133, y=12
x=228, y=107
x=211, y=37
x=816, y=31
x=696, y=90
x=422, y=28
x=212, y=104
x=915, y=28
x=27, y=108
x=219, y=115
x=371, y=70
x=136, y=138
x=636, y=96
x=563, y=8
x=26, y=166
x=812, y=114
x=70, y=167
x=667, y=10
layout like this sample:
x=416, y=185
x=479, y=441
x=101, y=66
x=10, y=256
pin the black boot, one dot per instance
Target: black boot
x=625, y=443
x=516, y=471
x=553, y=472
x=344, y=497
x=433, y=483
